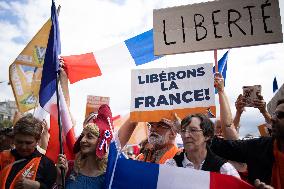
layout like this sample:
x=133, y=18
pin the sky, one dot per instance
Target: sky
x=92, y=25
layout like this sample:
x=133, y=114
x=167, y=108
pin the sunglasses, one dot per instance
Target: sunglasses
x=279, y=115
x=158, y=124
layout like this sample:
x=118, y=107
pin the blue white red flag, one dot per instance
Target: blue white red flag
x=135, y=51
x=129, y=174
x=48, y=96
x=222, y=65
x=47, y=93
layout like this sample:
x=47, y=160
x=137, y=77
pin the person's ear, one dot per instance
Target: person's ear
x=173, y=135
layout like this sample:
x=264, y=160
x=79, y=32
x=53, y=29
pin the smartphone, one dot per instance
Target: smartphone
x=250, y=94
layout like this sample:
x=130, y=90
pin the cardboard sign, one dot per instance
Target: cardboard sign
x=157, y=93
x=216, y=25
x=271, y=106
x=250, y=94
x=94, y=102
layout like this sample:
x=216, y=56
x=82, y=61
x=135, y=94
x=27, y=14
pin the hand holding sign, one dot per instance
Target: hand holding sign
x=177, y=123
x=250, y=94
x=219, y=82
x=240, y=104
x=260, y=103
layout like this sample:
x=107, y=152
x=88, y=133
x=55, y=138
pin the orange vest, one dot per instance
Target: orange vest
x=168, y=155
x=6, y=158
x=29, y=172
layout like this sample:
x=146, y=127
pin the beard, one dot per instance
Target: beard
x=156, y=139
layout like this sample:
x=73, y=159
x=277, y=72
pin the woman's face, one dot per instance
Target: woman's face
x=25, y=144
x=192, y=135
x=89, y=141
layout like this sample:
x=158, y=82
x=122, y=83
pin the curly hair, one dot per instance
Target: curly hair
x=29, y=125
x=80, y=158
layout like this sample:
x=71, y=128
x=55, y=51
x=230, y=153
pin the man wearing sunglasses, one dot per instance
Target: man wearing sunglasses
x=161, y=142
x=264, y=156
x=160, y=145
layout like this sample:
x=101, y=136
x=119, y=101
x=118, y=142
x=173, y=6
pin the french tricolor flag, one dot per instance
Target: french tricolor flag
x=132, y=52
x=128, y=174
x=48, y=96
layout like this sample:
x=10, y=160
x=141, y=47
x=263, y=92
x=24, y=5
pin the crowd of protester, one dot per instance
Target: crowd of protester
x=207, y=146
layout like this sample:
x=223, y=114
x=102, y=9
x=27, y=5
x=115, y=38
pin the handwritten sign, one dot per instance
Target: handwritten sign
x=94, y=102
x=157, y=93
x=216, y=25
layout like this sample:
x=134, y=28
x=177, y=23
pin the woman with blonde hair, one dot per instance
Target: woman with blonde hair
x=88, y=169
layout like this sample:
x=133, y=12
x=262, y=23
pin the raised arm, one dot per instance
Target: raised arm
x=228, y=128
x=43, y=143
x=240, y=107
x=126, y=131
x=261, y=105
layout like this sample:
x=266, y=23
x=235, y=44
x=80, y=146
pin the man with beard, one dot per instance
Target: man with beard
x=161, y=144
x=264, y=156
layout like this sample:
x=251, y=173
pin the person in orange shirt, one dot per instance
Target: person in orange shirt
x=24, y=166
x=161, y=140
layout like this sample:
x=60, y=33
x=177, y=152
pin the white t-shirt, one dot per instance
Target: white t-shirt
x=227, y=168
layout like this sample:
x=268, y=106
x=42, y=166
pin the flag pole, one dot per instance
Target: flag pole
x=60, y=127
x=216, y=60
x=61, y=150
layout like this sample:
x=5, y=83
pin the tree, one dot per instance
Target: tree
x=5, y=123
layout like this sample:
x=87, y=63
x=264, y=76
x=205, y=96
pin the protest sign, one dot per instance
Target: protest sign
x=157, y=93
x=216, y=25
x=94, y=102
x=250, y=94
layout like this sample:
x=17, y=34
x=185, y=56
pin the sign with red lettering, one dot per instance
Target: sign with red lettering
x=216, y=25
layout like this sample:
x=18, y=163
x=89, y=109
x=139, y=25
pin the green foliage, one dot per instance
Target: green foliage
x=6, y=123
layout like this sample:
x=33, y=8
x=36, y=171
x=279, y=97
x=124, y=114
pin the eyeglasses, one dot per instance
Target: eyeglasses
x=190, y=130
x=279, y=115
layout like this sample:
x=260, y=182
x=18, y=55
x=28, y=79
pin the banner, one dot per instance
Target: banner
x=25, y=71
x=216, y=25
x=160, y=92
x=94, y=102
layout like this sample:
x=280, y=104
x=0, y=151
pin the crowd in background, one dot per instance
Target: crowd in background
x=208, y=146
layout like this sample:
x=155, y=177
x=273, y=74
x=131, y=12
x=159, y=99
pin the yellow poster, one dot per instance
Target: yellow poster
x=25, y=71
